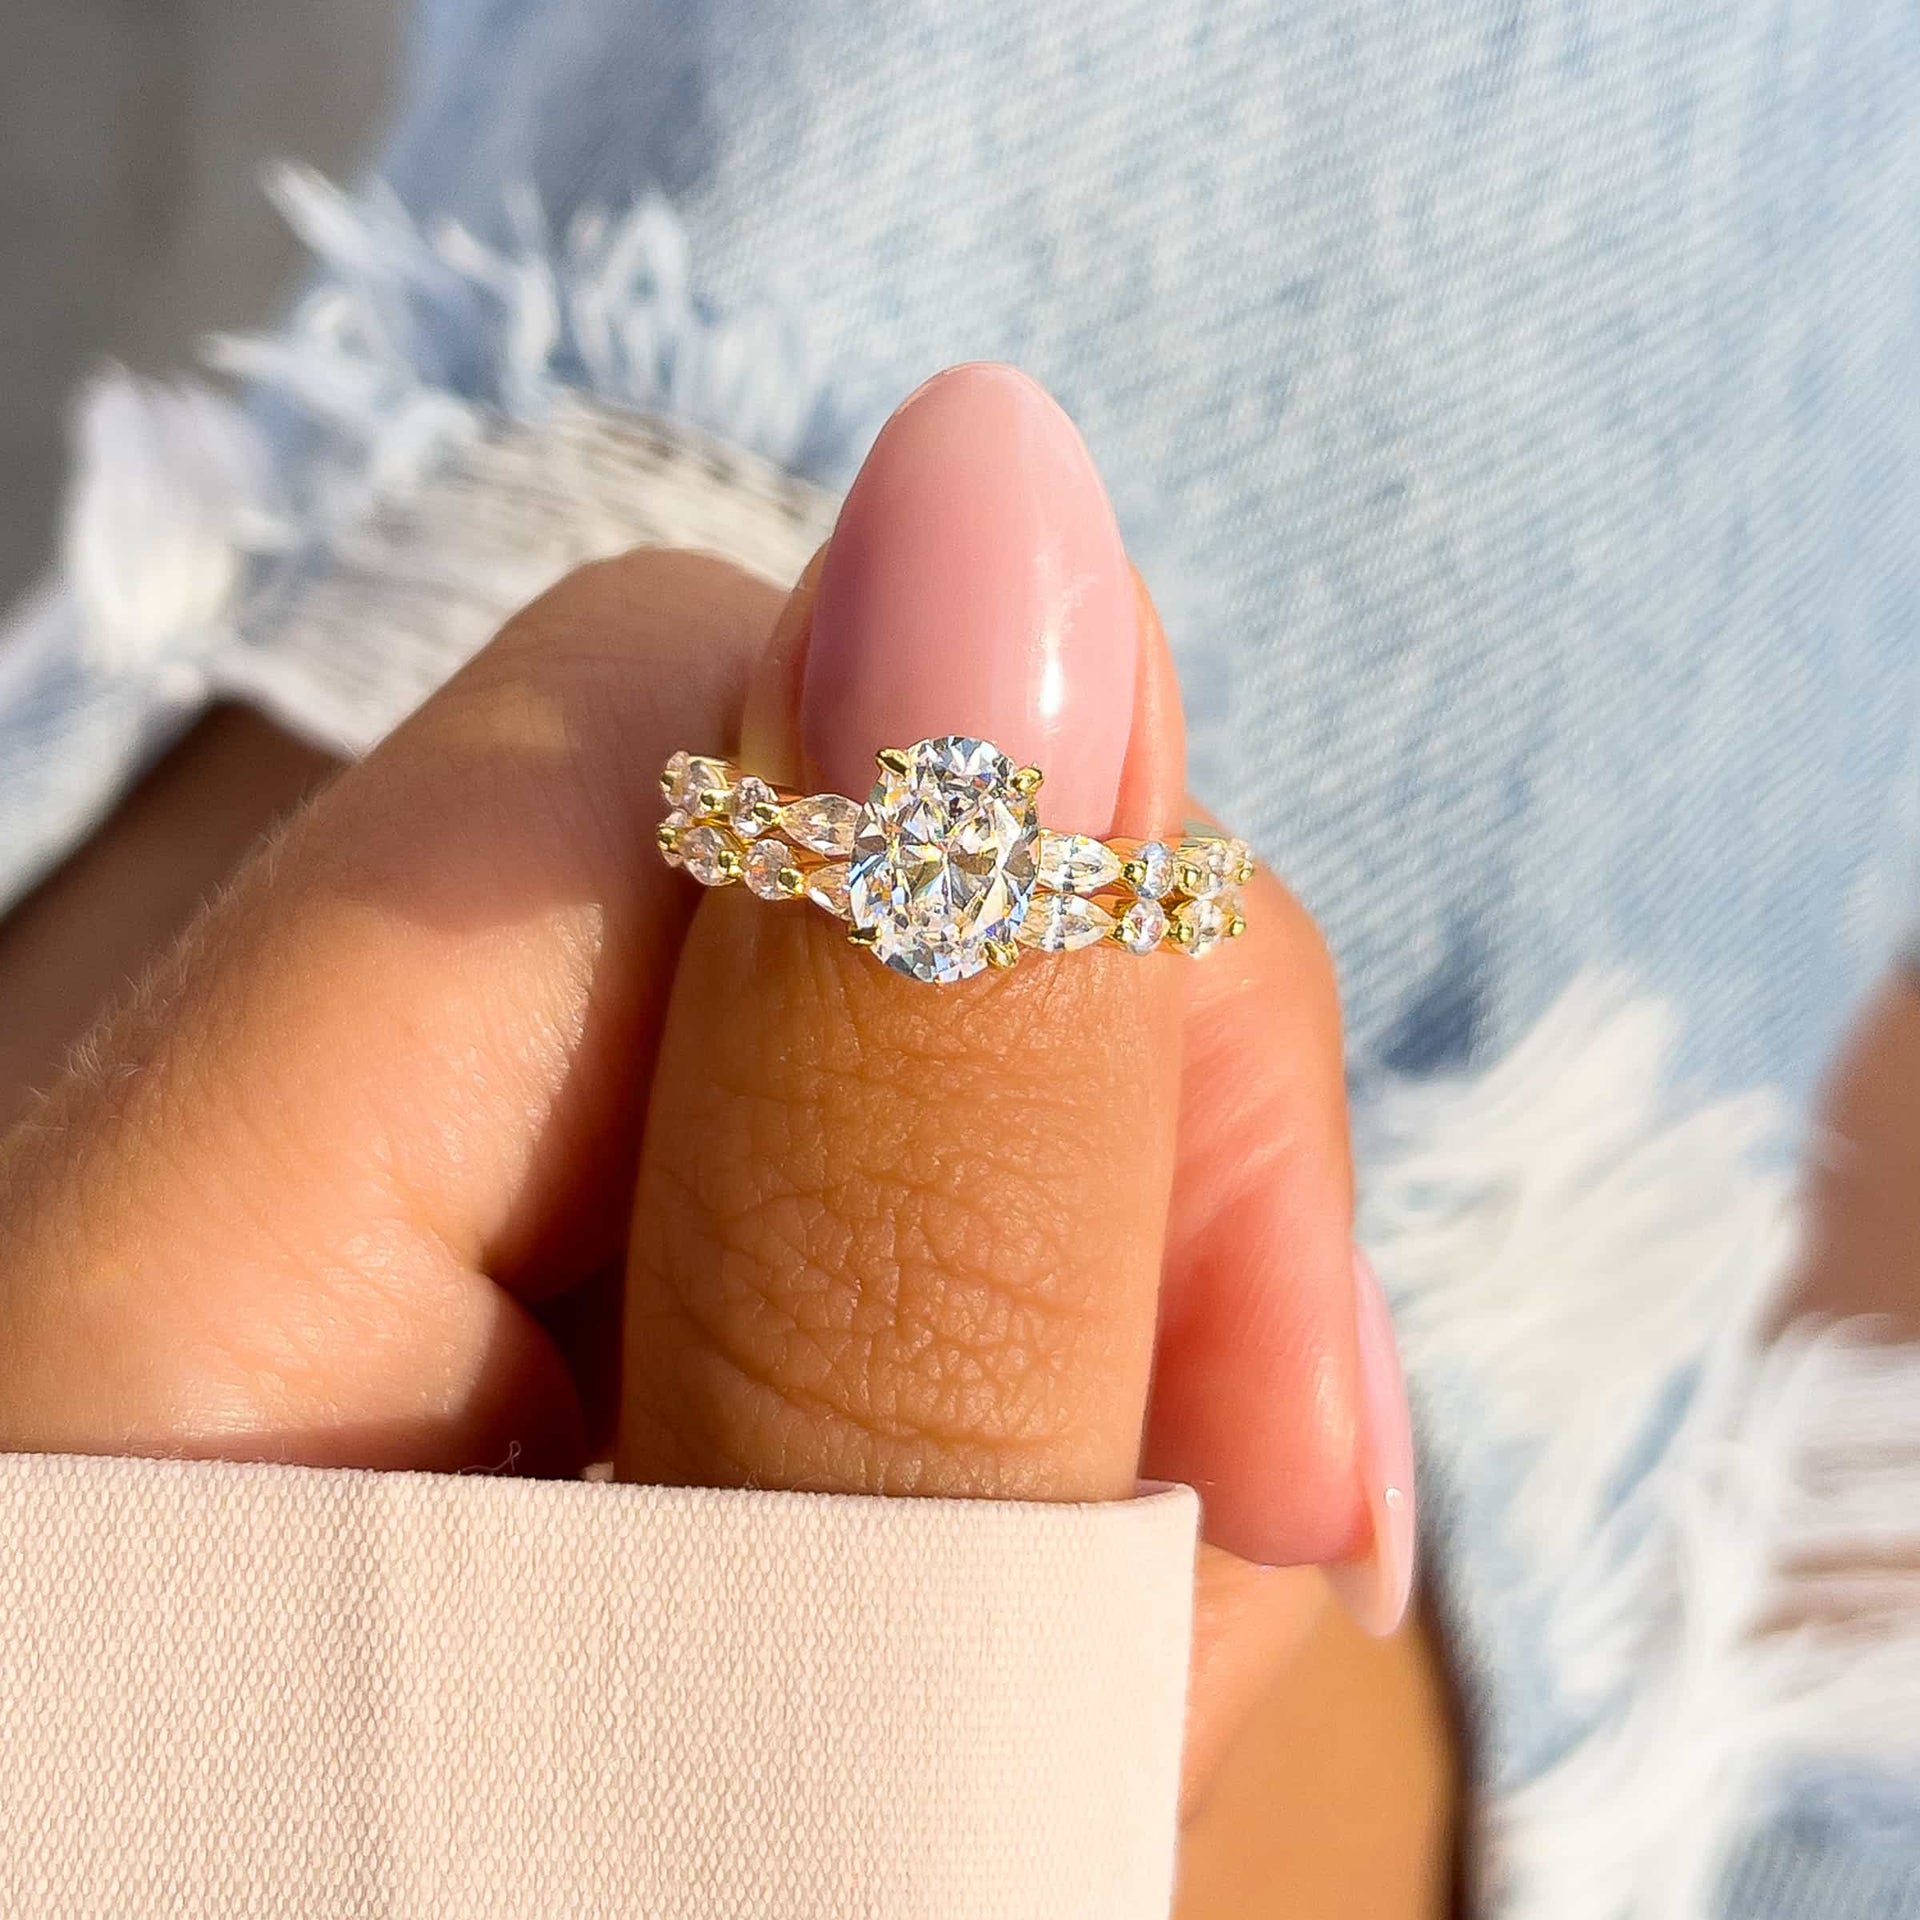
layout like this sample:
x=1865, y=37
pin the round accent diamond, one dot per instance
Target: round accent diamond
x=943, y=859
x=1152, y=869
x=771, y=873
x=1142, y=926
x=752, y=807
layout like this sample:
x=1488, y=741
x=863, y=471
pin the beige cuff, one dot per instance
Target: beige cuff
x=241, y=1690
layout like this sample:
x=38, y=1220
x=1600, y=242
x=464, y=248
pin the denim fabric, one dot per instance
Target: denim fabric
x=1512, y=403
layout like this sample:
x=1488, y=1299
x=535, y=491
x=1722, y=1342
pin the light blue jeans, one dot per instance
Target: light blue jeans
x=1515, y=407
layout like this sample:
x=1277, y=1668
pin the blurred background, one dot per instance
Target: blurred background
x=132, y=134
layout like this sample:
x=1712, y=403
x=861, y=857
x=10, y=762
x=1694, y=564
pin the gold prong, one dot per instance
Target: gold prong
x=1244, y=872
x=1180, y=934
x=1027, y=781
x=1133, y=872
x=863, y=936
x=764, y=814
x=666, y=836
x=667, y=785
x=892, y=760
x=711, y=799
x=728, y=864
x=1001, y=954
x=1190, y=877
x=791, y=881
x=1236, y=926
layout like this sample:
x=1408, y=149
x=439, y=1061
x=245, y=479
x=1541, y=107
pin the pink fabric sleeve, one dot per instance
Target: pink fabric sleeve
x=250, y=1690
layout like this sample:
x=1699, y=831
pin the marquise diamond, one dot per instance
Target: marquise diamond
x=943, y=859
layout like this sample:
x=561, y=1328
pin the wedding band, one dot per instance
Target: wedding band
x=945, y=869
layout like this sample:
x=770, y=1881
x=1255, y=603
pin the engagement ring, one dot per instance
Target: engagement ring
x=946, y=870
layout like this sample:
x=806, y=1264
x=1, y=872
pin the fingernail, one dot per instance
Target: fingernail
x=976, y=583
x=1375, y=1589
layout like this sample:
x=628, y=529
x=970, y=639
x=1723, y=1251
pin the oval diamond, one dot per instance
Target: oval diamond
x=943, y=859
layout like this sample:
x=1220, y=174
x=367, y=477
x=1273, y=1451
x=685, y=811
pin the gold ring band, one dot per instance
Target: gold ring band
x=945, y=870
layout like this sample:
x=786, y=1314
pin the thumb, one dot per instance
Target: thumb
x=900, y=1237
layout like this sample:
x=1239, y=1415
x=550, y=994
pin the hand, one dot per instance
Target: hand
x=351, y=1179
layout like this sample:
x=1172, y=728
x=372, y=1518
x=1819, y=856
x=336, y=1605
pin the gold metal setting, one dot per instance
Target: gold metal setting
x=1179, y=894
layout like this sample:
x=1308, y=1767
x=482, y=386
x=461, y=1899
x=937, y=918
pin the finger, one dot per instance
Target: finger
x=1277, y=1389
x=900, y=1237
x=401, y=1062
x=1255, y=1392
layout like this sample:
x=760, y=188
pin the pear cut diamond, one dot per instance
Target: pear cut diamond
x=1076, y=863
x=672, y=830
x=1200, y=925
x=1063, y=923
x=752, y=807
x=691, y=778
x=827, y=887
x=771, y=873
x=1209, y=868
x=943, y=859
x=1142, y=926
x=710, y=856
x=825, y=823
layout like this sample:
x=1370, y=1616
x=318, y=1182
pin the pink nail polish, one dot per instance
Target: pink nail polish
x=1376, y=1588
x=976, y=583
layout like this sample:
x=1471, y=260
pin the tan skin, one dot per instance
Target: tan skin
x=1343, y=1756
x=1328, y=1787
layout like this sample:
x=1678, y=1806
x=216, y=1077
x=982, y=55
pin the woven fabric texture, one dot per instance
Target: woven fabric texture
x=243, y=1690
